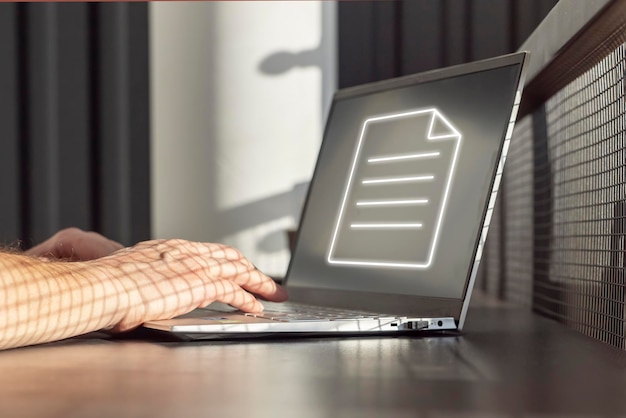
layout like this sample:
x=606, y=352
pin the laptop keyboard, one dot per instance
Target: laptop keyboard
x=292, y=312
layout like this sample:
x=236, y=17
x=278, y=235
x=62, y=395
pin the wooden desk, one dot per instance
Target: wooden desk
x=508, y=363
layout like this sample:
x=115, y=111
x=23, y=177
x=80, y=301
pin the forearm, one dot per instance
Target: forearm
x=46, y=301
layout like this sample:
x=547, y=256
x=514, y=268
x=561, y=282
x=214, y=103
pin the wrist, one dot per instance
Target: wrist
x=122, y=294
x=108, y=299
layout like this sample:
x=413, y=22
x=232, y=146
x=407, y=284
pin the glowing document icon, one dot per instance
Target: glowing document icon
x=396, y=194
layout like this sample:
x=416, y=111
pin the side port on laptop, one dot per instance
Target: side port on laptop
x=429, y=324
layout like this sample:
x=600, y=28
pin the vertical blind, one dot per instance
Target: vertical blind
x=74, y=108
x=382, y=39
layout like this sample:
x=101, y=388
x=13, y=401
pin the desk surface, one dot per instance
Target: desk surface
x=508, y=363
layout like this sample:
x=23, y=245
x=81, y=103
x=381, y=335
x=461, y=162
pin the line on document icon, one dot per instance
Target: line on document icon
x=386, y=226
x=390, y=158
x=392, y=202
x=398, y=179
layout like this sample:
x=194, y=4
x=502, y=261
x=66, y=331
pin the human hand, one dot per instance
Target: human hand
x=73, y=244
x=167, y=278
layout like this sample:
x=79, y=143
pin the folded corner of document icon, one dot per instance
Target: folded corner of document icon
x=395, y=198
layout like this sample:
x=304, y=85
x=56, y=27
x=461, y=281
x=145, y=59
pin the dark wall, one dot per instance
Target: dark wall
x=382, y=39
x=74, y=127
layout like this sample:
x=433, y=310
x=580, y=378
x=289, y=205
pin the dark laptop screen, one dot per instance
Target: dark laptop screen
x=400, y=190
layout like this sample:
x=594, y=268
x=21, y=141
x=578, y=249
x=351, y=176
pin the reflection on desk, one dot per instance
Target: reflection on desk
x=508, y=363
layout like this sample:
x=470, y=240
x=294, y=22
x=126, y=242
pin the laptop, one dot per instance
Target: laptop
x=397, y=211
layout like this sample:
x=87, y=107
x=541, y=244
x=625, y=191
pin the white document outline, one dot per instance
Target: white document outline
x=435, y=115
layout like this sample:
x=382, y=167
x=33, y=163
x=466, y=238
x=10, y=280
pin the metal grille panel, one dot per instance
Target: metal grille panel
x=565, y=208
x=585, y=126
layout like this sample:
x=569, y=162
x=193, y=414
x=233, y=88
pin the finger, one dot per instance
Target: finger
x=245, y=276
x=233, y=295
x=115, y=245
x=41, y=250
x=259, y=284
x=99, y=238
x=248, y=277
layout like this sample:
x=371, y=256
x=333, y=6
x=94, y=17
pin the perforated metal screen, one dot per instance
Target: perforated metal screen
x=585, y=145
x=560, y=245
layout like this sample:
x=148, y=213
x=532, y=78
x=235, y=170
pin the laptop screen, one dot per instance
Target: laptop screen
x=399, y=195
